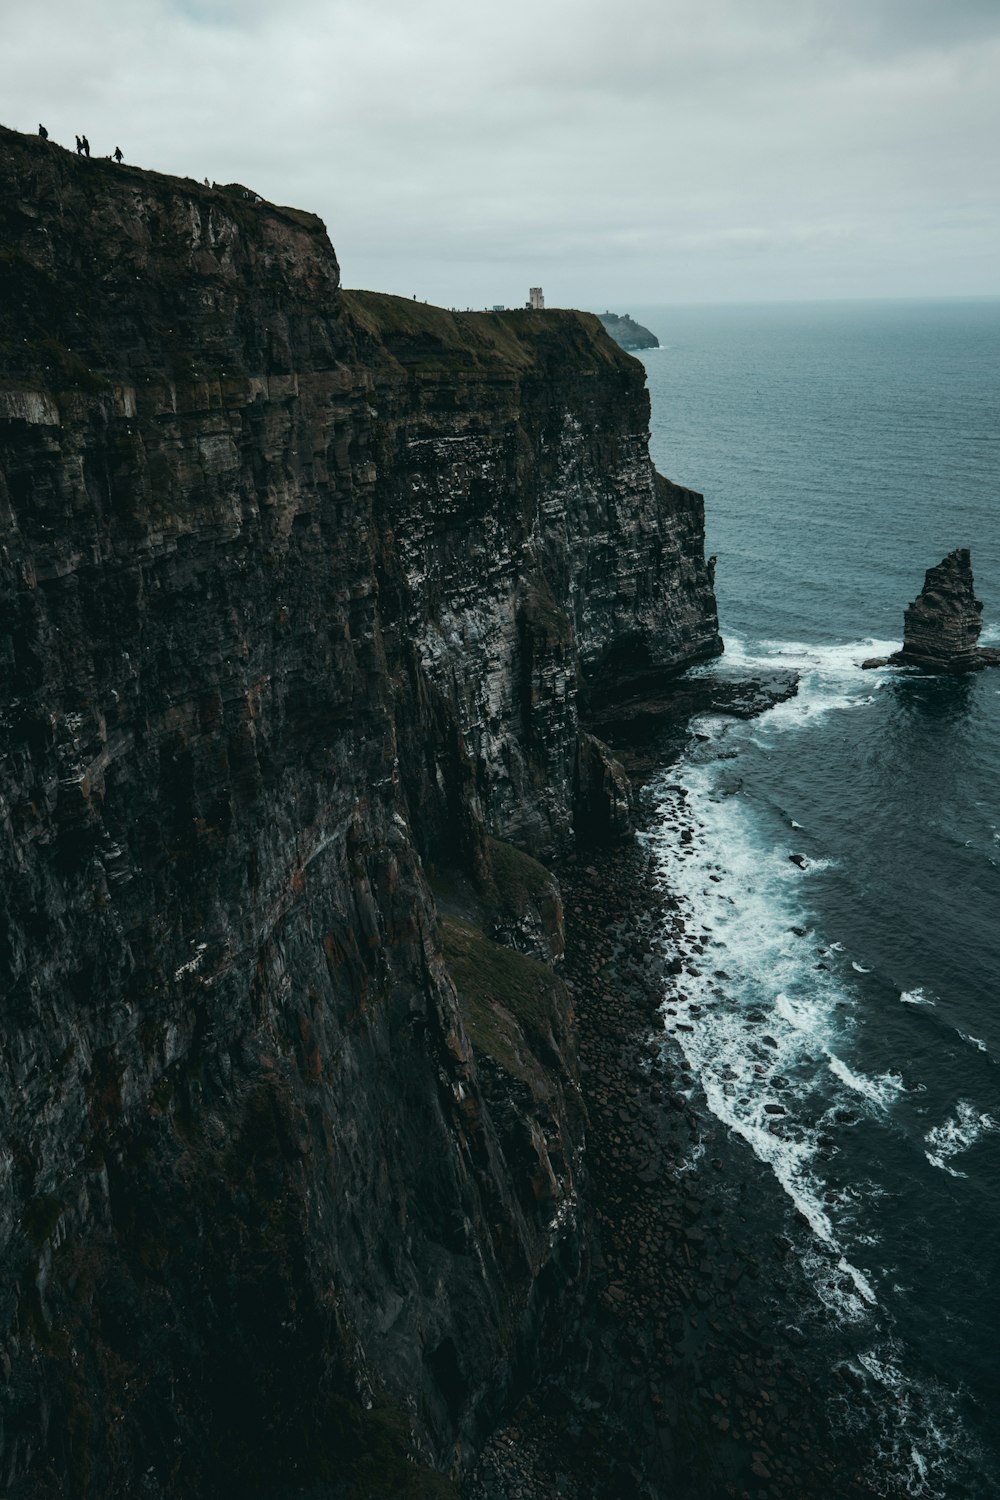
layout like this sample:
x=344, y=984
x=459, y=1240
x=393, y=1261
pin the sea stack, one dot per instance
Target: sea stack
x=941, y=627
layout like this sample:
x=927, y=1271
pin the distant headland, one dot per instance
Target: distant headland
x=627, y=332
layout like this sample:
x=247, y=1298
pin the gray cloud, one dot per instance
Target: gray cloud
x=651, y=150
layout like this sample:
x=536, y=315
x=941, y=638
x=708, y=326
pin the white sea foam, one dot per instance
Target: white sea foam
x=831, y=660
x=956, y=1135
x=804, y=1013
x=837, y=1283
x=921, y=1428
x=861, y=1281
x=917, y=997
x=974, y=1041
x=880, y=1091
x=772, y=1040
x=760, y=1054
x=830, y=677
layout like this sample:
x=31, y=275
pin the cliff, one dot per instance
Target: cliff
x=305, y=596
x=627, y=332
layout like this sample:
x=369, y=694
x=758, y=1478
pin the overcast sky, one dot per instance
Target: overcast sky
x=617, y=152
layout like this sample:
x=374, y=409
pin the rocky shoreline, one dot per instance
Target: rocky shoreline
x=695, y=1370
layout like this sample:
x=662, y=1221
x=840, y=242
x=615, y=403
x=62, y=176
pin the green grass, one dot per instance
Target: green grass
x=366, y=1455
x=508, y=1001
x=519, y=879
x=418, y=333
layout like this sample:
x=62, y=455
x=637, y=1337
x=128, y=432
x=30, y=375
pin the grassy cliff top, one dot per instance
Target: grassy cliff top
x=519, y=338
x=112, y=269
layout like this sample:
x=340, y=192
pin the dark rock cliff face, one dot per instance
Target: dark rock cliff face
x=304, y=597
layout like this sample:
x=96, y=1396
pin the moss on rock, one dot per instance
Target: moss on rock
x=509, y=1002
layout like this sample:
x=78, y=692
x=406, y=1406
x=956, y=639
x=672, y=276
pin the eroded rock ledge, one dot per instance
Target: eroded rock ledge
x=302, y=594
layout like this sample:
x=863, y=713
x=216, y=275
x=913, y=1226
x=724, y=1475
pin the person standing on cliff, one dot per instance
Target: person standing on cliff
x=43, y=132
x=86, y=145
x=118, y=154
x=79, y=146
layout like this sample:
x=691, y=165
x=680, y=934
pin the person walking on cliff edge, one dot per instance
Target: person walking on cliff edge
x=79, y=146
x=118, y=154
x=43, y=132
x=86, y=145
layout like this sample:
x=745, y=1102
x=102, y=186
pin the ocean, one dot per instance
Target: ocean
x=843, y=1022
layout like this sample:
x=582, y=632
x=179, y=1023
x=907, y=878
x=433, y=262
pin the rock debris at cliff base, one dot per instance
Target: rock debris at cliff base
x=693, y=1370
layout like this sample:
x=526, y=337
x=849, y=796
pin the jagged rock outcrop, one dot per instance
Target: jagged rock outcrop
x=304, y=594
x=941, y=628
x=603, y=793
x=627, y=332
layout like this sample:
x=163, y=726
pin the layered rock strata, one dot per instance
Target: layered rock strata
x=941, y=628
x=304, y=595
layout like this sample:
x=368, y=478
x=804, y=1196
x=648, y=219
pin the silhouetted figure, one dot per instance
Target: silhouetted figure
x=86, y=145
x=79, y=146
x=118, y=154
x=43, y=132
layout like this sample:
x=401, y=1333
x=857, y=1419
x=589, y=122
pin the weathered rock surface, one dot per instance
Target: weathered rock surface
x=303, y=596
x=627, y=332
x=941, y=628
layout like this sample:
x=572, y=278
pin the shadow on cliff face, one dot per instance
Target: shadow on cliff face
x=198, y=1316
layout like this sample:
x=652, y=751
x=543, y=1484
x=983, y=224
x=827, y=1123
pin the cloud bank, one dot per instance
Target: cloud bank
x=647, y=151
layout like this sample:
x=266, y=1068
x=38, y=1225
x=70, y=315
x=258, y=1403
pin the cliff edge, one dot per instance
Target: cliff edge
x=305, y=594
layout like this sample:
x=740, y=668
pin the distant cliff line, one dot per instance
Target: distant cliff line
x=627, y=332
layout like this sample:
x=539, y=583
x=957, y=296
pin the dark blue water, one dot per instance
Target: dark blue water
x=842, y=450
